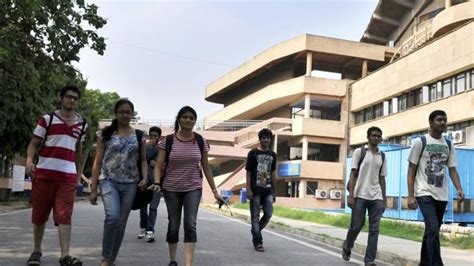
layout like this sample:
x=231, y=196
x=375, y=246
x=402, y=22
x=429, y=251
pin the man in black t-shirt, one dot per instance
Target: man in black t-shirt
x=261, y=165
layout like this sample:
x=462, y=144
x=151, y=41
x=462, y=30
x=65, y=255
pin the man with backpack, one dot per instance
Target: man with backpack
x=427, y=183
x=366, y=193
x=148, y=218
x=57, y=173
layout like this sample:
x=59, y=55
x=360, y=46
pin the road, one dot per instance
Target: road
x=221, y=241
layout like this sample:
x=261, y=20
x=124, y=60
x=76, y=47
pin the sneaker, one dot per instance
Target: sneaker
x=70, y=261
x=173, y=263
x=142, y=233
x=371, y=263
x=259, y=248
x=346, y=254
x=35, y=258
x=150, y=236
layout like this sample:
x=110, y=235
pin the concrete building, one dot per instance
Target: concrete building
x=414, y=57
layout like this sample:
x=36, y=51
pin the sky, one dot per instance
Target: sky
x=162, y=54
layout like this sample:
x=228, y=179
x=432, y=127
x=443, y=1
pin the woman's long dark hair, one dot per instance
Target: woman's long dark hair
x=181, y=113
x=109, y=130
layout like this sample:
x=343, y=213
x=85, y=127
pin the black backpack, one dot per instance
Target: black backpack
x=139, y=134
x=169, y=146
x=363, y=152
x=48, y=125
x=142, y=198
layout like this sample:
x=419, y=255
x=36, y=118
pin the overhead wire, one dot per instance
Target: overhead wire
x=189, y=58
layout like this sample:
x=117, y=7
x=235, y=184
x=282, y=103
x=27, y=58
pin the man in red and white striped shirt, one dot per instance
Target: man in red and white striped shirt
x=57, y=172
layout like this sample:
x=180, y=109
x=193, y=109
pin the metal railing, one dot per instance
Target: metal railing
x=416, y=40
x=211, y=125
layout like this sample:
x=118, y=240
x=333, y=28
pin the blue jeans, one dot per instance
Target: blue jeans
x=118, y=200
x=175, y=203
x=148, y=218
x=265, y=202
x=433, y=212
x=375, y=209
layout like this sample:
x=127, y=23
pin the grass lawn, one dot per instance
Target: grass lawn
x=388, y=227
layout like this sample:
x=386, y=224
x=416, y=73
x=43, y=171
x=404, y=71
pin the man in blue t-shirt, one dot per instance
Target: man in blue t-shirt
x=261, y=165
x=148, y=218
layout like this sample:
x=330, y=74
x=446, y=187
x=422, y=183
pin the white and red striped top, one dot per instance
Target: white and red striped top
x=183, y=170
x=57, y=157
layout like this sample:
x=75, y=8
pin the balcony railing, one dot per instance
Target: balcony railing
x=416, y=40
x=211, y=125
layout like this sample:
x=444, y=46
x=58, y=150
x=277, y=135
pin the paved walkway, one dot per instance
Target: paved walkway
x=390, y=249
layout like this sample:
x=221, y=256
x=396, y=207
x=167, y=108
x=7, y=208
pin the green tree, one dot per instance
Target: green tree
x=38, y=42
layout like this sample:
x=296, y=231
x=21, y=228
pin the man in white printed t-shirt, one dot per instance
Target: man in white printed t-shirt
x=366, y=193
x=427, y=182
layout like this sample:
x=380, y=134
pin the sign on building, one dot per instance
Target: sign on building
x=289, y=169
x=18, y=178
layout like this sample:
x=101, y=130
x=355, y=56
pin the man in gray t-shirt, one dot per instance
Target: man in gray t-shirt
x=366, y=193
x=427, y=182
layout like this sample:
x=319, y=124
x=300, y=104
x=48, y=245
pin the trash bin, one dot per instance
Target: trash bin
x=79, y=190
x=243, y=195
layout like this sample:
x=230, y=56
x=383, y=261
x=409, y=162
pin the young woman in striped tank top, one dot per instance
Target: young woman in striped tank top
x=182, y=185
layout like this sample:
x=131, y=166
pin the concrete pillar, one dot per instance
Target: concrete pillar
x=302, y=189
x=447, y=4
x=364, y=68
x=309, y=63
x=304, y=153
x=307, y=105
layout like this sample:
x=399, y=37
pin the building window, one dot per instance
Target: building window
x=447, y=87
x=403, y=102
x=461, y=83
x=432, y=93
x=429, y=15
x=359, y=117
x=472, y=79
x=390, y=106
x=378, y=110
x=418, y=97
x=368, y=114
x=414, y=98
x=311, y=187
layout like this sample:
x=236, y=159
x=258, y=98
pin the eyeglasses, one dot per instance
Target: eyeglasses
x=71, y=97
x=124, y=113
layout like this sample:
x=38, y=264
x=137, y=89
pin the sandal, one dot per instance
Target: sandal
x=35, y=258
x=70, y=261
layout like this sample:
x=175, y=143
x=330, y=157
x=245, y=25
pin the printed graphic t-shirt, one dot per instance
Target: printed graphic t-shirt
x=430, y=177
x=261, y=164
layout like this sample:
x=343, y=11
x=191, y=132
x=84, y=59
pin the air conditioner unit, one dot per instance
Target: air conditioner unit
x=335, y=194
x=321, y=194
x=458, y=136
